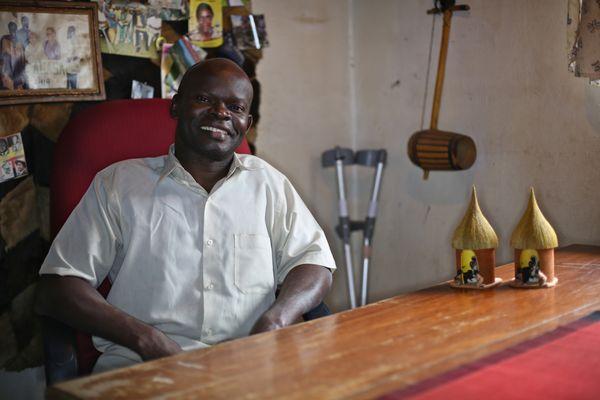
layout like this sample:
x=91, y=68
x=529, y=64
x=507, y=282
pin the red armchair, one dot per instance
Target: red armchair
x=95, y=138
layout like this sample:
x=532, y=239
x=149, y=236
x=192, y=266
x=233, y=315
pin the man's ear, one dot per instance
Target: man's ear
x=173, y=109
x=250, y=122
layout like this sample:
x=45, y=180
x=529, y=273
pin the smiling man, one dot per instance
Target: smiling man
x=195, y=243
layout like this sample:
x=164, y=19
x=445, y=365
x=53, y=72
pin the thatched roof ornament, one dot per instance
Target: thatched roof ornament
x=474, y=231
x=533, y=230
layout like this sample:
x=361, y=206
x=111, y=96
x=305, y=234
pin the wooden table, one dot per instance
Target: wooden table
x=367, y=352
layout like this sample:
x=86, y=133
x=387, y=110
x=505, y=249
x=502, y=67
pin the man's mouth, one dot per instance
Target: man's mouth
x=215, y=133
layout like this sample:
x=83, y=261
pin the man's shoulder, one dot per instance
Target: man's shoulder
x=260, y=166
x=133, y=168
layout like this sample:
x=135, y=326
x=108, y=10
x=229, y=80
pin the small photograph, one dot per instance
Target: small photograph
x=171, y=10
x=140, y=90
x=7, y=171
x=12, y=158
x=20, y=166
x=205, y=25
x=128, y=28
x=4, y=148
x=249, y=31
x=48, y=53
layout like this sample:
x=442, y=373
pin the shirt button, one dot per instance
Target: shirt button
x=210, y=286
x=208, y=332
x=209, y=242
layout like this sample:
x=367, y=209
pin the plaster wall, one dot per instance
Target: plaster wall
x=305, y=102
x=354, y=73
x=507, y=86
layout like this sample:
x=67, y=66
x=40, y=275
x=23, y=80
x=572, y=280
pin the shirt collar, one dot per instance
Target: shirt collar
x=173, y=167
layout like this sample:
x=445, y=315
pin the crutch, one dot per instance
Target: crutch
x=376, y=159
x=339, y=157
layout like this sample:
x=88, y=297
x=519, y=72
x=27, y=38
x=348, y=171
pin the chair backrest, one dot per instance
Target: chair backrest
x=102, y=135
x=95, y=138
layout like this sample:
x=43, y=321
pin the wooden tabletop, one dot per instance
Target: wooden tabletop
x=366, y=352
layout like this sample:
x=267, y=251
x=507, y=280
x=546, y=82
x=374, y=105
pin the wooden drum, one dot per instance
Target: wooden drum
x=435, y=150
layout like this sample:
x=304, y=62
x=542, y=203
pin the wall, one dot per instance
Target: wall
x=354, y=73
x=305, y=100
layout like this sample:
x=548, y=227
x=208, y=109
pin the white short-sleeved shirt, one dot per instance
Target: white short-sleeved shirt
x=200, y=267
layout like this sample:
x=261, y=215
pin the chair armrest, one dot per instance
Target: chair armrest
x=59, y=351
x=318, y=312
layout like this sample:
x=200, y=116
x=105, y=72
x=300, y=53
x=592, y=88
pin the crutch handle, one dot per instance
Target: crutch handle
x=329, y=157
x=370, y=158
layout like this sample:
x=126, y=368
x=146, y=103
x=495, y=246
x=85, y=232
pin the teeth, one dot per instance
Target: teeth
x=211, y=129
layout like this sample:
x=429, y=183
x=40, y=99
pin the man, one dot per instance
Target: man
x=73, y=59
x=194, y=243
x=12, y=54
x=7, y=44
x=154, y=25
x=20, y=167
x=23, y=33
x=141, y=33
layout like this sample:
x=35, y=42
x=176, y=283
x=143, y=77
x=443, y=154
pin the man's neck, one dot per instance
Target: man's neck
x=204, y=171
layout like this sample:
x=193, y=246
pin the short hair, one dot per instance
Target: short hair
x=200, y=64
x=204, y=7
x=51, y=29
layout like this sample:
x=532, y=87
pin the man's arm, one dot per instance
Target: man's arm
x=76, y=303
x=303, y=289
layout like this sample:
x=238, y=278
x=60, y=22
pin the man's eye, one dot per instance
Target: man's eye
x=235, y=107
x=202, y=99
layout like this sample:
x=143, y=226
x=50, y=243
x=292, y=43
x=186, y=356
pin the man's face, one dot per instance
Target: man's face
x=205, y=21
x=213, y=112
x=50, y=34
x=12, y=28
x=25, y=22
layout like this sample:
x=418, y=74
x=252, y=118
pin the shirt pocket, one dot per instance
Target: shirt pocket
x=253, y=263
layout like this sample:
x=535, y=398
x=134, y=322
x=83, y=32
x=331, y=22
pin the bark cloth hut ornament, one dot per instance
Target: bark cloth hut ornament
x=534, y=241
x=475, y=244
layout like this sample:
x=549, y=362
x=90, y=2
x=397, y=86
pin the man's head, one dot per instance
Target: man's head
x=20, y=167
x=12, y=28
x=212, y=108
x=33, y=38
x=25, y=22
x=3, y=145
x=204, y=17
x=50, y=33
x=70, y=32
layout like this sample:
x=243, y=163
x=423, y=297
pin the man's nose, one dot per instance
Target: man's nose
x=220, y=111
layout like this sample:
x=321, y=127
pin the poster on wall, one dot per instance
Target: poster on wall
x=205, y=25
x=49, y=52
x=12, y=158
x=128, y=28
x=249, y=31
x=176, y=59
